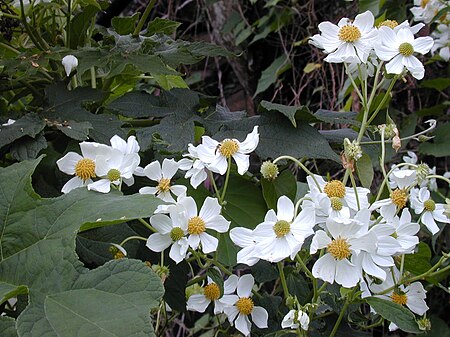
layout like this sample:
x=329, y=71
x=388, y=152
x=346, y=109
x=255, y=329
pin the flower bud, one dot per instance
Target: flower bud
x=424, y=324
x=269, y=170
x=422, y=171
x=69, y=62
x=352, y=150
x=117, y=251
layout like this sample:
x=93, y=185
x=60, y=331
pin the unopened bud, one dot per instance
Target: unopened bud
x=117, y=251
x=423, y=138
x=352, y=150
x=424, y=324
x=422, y=171
x=69, y=62
x=269, y=170
x=162, y=271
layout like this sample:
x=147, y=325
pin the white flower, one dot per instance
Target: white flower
x=347, y=41
x=426, y=10
x=404, y=230
x=170, y=232
x=430, y=211
x=346, y=240
x=244, y=238
x=69, y=62
x=216, y=155
x=405, y=24
x=398, y=48
x=83, y=167
x=441, y=41
x=196, y=169
x=113, y=169
x=163, y=176
x=244, y=306
x=294, y=319
x=126, y=147
x=9, y=122
x=211, y=293
x=198, y=222
x=281, y=235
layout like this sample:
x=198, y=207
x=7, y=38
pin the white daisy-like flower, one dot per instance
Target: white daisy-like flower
x=441, y=38
x=282, y=234
x=126, y=147
x=69, y=62
x=196, y=169
x=295, y=318
x=198, y=222
x=348, y=41
x=211, y=293
x=216, y=155
x=244, y=238
x=430, y=211
x=426, y=10
x=163, y=175
x=398, y=48
x=405, y=24
x=243, y=307
x=114, y=169
x=404, y=230
x=171, y=232
x=82, y=166
x=346, y=240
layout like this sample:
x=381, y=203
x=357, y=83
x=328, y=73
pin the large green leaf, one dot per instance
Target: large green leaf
x=284, y=184
x=439, y=146
x=125, y=25
x=271, y=73
x=365, y=170
x=292, y=112
x=79, y=24
x=37, y=251
x=29, y=125
x=161, y=26
x=419, y=262
x=394, y=313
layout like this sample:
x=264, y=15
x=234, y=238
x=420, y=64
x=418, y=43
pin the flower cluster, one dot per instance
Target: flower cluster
x=360, y=42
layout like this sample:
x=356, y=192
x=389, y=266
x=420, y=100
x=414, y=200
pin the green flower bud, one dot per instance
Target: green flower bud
x=269, y=170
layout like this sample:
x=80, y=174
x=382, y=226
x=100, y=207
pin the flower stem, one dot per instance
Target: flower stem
x=132, y=238
x=146, y=224
x=141, y=22
x=342, y=313
x=303, y=167
x=225, y=185
x=283, y=280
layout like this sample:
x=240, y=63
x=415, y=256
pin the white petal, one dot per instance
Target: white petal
x=157, y=242
x=245, y=285
x=230, y=284
x=102, y=186
x=178, y=250
x=153, y=171
x=241, y=236
x=148, y=190
x=242, y=162
x=325, y=268
x=218, y=223
x=405, y=35
x=210, y=209
x=428, y=220
x=364, y=21
x=395, y=66
x=423, y=45
x=67, y=163
x=178, y=190
x=73, y=183
x=347, y=274
x=209, y=243
x=219, y=165
x=319, y=241
x=162, y=223
x=285, y=209
x=169, y=168
x=198, y=302
x=194, y=241
x=259, y=317
x=251, y=141
x=243, y=324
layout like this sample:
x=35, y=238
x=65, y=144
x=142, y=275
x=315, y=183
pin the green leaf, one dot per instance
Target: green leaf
x=298, y=286
x=8, y=327
x=175, y=285
x=80, y=24
x=75, y=130
x=29, y=125
x=139, y=104
x=371, y=5
x=292, y=112
x=439, y=147
x=419, y=262
x=365, y=170
x=336, y=117
x=394, y=313
x=284, y=184
x=168, y=82
x=271, y=73
x=264, y=271
x=125, y=25
x=161, y=26
x=64, y=105
x=43, y=259
x=310, y=67
x=27, y=148
x=8, y=291
x=439, y=84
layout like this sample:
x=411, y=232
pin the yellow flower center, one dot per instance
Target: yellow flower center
x=113, y=175
x=119, y=255
x=245, y=305
x=334, y=188
x=228, y=147
x=336, y=203
x=164, y=185
x=196, y=225
x=176, y=234
x=339, y=249
x=349, y=33
x=424, y=3
x=281, y=228
x=85, y=169
x=389, y=23
x=399, y=298
x=429, y=205
x=406, y=49
x=212, y=291
x=399, y=198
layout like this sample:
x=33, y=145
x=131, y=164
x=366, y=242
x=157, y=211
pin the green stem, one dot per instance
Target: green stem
x=195, y=280
x=146, y=224
x=352, y=179
x=283, y=280
x=303, y=167
x=142, y=20
x=93, y=78
x=225, y=185
x=438, y=177
x=68, y=24
x=132, y=238
x=342, y=313
x=383, y=155
x=10, y=48
x=353, y=82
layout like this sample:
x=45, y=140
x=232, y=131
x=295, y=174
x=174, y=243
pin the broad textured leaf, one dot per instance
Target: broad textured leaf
x=365, y=170
x=264, y=271
x=298, y=286
x=8, y=327
x=161, y=26
x=125, y=25
x=205, y=49
x=168, y=82
x=175, y=285
x=29, y=125
x=271, y=73
x=37, y=250
x=8, y=291
x=371, y=5
x=337, y=117
x=436, y=83
x=64, y=106
x=76, y=130
x=139, y=104
x=284, y=184
x=439, y=145
x=394, y=313
x=80, y=23
x=27, y=148
x=294, y=113
x=419, y=262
